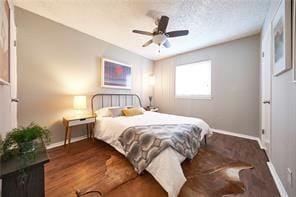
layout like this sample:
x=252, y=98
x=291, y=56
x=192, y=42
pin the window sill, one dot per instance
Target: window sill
x=196, y=97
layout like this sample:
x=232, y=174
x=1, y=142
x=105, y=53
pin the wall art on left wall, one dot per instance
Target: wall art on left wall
x=4, y=42
x=115, y=74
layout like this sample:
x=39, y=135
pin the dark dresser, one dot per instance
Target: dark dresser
x=33, y=187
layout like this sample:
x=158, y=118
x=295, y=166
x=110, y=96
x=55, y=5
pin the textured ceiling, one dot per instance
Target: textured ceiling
x=208, y=21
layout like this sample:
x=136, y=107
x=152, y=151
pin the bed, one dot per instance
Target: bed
x=109, y=129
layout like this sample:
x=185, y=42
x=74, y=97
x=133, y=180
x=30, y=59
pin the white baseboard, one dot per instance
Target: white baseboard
x=61, y=143
x=239, y=135
x=277, y=180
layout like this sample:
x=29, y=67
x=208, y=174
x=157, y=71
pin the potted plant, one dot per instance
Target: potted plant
x=24, y=140
x=24, y=144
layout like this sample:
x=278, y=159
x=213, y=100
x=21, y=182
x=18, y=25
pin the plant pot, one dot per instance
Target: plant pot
x=27, y=147
x=28, y=151
x=31, y=146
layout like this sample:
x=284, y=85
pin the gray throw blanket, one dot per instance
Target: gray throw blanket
x=143, y=143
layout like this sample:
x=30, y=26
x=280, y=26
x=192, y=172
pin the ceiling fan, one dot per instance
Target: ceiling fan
x=159, y=34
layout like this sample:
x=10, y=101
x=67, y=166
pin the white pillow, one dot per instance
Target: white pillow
x=143, y=110
x=109, y=111
x=103, y=112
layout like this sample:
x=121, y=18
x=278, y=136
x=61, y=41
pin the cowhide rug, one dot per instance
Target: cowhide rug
x=208, y=174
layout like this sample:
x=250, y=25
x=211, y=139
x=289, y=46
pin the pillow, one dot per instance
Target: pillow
x=103, y=112
x=130, y=107
x=116, y=111
x=133, y=111
x=142, y=109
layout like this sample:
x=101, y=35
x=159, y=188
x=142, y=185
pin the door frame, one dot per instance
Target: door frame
x=267, y=53
x=13, y=66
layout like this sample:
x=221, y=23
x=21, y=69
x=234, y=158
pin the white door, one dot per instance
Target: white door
x=13, y=68
x=8, y=108
x=266, y=92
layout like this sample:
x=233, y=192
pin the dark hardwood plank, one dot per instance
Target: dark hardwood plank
x=85, y=165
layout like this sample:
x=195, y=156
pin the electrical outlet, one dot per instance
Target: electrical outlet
x=289, y=176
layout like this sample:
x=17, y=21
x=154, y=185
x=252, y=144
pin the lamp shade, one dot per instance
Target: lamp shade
x=79, y=102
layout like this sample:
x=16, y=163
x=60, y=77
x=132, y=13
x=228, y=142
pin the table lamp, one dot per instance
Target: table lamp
x=79, y=103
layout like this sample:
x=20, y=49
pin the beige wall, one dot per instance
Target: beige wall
x=283, y=132
x=56, y=62
x=235, y=86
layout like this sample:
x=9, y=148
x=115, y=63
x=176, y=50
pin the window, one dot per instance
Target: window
x=194, y=80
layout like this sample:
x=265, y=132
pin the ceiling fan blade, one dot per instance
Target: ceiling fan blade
x=143, y=32
x=147, y=43
x=177, y=33
x=163, y=23
x=167, y=44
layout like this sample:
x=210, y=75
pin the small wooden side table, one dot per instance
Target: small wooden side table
x=71, y=121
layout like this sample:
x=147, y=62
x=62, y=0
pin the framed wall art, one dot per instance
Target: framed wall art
x=281, y=38
x=115, y=74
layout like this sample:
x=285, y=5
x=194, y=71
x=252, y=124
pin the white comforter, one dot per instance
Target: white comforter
x=170, y=176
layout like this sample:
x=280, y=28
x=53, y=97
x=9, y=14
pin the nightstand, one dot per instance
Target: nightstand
x=153, y=109
x=72, y=121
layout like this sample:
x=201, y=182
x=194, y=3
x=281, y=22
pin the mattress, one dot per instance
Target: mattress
x=169, y=176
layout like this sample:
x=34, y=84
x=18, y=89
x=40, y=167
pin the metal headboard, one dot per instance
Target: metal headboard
x=109, y=100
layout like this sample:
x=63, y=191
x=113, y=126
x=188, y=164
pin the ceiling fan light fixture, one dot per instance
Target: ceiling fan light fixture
x=160, y=35
x=159, y=39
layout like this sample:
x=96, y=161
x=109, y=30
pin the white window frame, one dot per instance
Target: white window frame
x=202, y=97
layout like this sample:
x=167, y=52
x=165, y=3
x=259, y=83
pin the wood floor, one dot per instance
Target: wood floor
x=84, y=166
